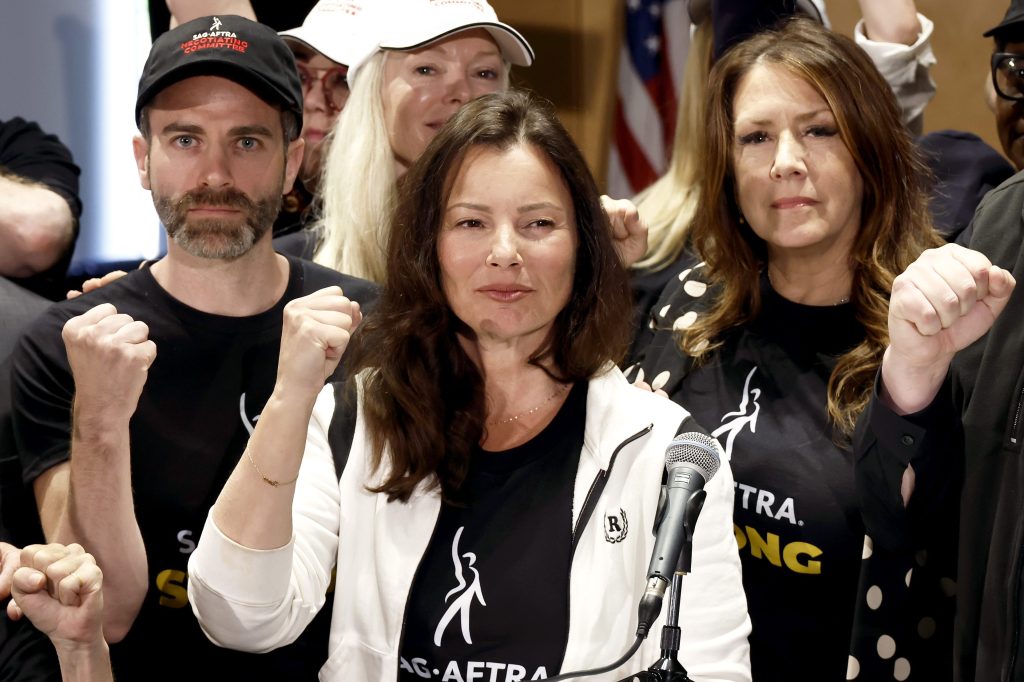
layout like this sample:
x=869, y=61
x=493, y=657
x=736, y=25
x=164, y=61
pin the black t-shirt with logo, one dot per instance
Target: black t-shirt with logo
x=796, y=518
x=211, y=377
x=490, y=599
x=821, y=605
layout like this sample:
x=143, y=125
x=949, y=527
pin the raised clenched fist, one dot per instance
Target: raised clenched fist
x=946, y=300
x=59, y=588
x=316, y=332
x=110, y=355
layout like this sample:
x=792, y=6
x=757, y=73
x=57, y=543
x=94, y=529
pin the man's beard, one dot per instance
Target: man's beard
x=225, y=239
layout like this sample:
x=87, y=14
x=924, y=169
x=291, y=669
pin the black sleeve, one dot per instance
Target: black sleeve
x=884, y=444
x=42, y=390
x=648, y=287
x=656, y=348
x=19, y=522
x=28, y=152
x=652, y=290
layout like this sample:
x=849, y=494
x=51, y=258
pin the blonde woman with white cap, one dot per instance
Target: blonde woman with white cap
x=425, y=60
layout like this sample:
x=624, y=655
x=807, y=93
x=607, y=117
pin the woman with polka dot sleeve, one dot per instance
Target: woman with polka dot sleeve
x=812, y=201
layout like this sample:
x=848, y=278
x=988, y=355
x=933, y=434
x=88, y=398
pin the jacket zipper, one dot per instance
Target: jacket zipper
x=1016, y=417
x=586, y=511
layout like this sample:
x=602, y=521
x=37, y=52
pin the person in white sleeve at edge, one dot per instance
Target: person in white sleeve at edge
x=494, y=513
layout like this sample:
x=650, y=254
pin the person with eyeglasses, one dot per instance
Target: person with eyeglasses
x=1008, y=80
x=324, y=45
x=965, y=167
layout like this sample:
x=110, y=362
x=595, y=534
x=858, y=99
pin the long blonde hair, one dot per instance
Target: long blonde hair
x=670, y=204
x=357, y=189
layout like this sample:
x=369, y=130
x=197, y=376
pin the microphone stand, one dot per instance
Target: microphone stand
x=667, y=668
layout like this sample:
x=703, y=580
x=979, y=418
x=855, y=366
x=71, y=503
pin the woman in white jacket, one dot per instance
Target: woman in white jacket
x=493, y=516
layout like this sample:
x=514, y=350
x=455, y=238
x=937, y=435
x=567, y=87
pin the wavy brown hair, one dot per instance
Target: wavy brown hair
x=895, y=222
x=423, y=397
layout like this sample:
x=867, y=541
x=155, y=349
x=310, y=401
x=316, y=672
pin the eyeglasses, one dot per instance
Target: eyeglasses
x=1008, y=75
x=333, y=80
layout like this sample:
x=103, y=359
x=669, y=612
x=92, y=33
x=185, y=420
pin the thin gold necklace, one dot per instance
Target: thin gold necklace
x=516, y=417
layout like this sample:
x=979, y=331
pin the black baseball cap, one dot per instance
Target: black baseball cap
x=247, y=52
x=1014, y=19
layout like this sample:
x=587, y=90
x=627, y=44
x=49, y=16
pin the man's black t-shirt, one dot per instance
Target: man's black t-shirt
x=204, y=393
x=491, y=595
x=26, y=655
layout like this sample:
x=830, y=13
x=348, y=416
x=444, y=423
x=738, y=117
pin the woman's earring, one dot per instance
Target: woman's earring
x=741, y=220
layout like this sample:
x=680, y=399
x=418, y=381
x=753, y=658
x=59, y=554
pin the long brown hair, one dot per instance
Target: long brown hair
x=895, y=222
x=423, y=397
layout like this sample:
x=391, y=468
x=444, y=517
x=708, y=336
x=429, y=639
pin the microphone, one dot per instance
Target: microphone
x=691, y=459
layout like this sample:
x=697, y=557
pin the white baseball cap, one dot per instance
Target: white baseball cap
x=338, y=29
x=411, y=24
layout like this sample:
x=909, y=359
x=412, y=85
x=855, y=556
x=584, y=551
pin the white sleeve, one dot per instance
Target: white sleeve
x=259, y=600
x=906, y=68
x=712, y=599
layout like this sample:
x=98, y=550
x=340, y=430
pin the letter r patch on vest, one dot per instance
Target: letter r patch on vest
x=616, y=525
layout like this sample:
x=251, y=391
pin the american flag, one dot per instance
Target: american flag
x=657, y=37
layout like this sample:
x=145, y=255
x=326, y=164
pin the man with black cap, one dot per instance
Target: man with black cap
x=946, y=425
x=964, y=166
x=128, y=429
x=1008, y=79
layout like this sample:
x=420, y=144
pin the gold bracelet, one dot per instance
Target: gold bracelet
x=268, y=481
